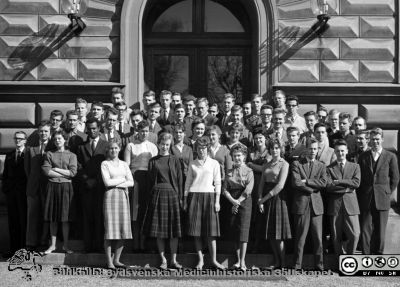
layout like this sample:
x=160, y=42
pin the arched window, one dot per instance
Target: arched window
x=200, y=47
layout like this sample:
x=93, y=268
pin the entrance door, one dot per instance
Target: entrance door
x=201, y=47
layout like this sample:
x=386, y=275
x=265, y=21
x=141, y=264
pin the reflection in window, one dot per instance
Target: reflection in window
x=177, y=18
x=171, y=73
x=224, y=76
x=220, y=19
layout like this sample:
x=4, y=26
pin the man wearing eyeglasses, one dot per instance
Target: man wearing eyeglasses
x=292, y=118
x=14, y=187
x=55, y=120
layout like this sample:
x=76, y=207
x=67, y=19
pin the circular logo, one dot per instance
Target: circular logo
x=392, y=262
x=367, y=262
x=380, y=262
x=349, y=265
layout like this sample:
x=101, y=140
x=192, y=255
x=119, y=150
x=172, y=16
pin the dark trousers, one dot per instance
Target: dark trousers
x=373, y=229
x=34, y=226
x=17, y=215
x=303, y=222
x=93, y=223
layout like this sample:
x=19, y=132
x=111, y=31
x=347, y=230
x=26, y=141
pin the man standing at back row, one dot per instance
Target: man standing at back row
x=379, y=178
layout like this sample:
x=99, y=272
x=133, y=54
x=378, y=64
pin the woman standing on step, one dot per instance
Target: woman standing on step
x=60, y=166
x=202, y=194
x=272, y=201
x=117, y=178
x=237, y=188
x=162, y=219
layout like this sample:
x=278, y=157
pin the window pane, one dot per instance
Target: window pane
x=171, y=73
x=177, y=18
x=220, y=19
x=224, y=76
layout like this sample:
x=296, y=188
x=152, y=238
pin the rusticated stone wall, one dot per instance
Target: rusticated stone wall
x=359, y=46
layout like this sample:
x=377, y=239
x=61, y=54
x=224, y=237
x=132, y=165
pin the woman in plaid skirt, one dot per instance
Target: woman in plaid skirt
x=117, y=178
x=272, y=201
x=162, y=219
x=237, y=188
x=202, y=193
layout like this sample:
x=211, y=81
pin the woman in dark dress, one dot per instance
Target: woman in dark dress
x=237, y=188
x=162, y=219
x=272, y=201
x=60, y=166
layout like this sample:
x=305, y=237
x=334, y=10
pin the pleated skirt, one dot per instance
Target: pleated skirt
x=117, y=218
x=276, y=215
x=58, y=199
x=202, y=219
x=239, y=223
x=162, y=218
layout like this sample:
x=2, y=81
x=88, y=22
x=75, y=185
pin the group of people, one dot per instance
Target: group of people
x=181, y=167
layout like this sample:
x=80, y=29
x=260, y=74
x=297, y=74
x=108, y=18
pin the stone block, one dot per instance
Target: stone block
x=367, y=7
x=390, y=140
x=381, y=114
x=91, y=47
x=8, y=73
x=94, y=27
x=44, y=109
x=58, y=69
x=31, y=6
x=351, y=109
x=317, y=49
x=380, y=27
x=25, y=48
x=367, y=49
x=304, y=108
x=18, y=114
x=301, y=9
x=7, y=137
x=377, y=71
x=103, y=9
x=339, y=71
x=299, y=71
x=98, y=70
x=12, y=24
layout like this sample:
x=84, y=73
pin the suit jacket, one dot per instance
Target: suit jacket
x=220, y=121
x=326, y=155
x=33, y=161
x=157, y=128
x=117, y=137
x=344, y=191
x=298, y=152
x=89, y=164
x=379, y=184
x=126, y=128
x=75, y=140
x=210, y=120
x=270, y=134
x=305, y=137
x=14, y=177
x=304, y=192
x=164, y=122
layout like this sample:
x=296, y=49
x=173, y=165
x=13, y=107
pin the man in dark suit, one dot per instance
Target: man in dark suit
x=278, y=130
x=109, y=131
x=344, y=178
x=74, y=137
x=224, y=119
x=152, y=116
x=202, y=112
x=379, y=178
x=362, y=137
x=14, y=187
x=294, y=150
x=167, y=113
x=36, y=230
x=90, y=156
x=308, y=179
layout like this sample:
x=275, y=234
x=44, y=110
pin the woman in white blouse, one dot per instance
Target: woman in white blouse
x=201, y=200
x=137, y=156
x=117, y=221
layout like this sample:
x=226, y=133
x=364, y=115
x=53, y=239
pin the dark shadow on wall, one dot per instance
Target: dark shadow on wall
x=284, y=43
x=37, y=47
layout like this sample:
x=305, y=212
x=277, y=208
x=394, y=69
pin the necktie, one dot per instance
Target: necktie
x=310, y=167
x=277, y=135
x=120, y=127
x=41, y=149
x=18, y=156
x=341, y=167
x=93, y=146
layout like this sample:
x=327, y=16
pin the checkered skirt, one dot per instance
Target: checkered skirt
x=162, y=218
x=276, y=215
x=202, y=219
x=117, y=218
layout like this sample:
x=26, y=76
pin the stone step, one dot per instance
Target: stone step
x=188, y=260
